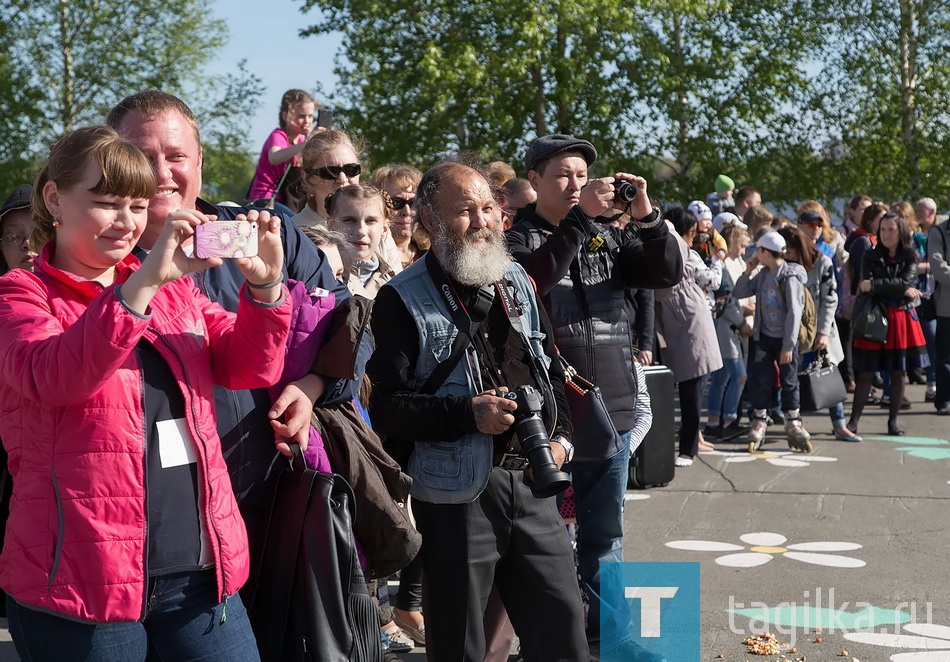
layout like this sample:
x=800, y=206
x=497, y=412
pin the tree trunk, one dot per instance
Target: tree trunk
x=682, y=107
x=561, y=93
x=67, y=98
x=908, y=67
x=540, y=126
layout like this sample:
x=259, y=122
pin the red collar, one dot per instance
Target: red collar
x=89, y=288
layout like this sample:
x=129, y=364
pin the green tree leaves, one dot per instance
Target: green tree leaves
x=802, y=98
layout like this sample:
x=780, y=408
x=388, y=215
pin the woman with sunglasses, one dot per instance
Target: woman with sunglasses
x=821, y=285
x=410, y=238
x=330, y=161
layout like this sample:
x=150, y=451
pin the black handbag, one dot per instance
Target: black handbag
x=927, y=310
x=595, y=437
x=820, y=385
x=869, y=321
x=307, y=598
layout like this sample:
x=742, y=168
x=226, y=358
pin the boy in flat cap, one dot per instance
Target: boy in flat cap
x=582, y=267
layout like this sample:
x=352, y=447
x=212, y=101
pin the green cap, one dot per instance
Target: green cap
x=724, y=183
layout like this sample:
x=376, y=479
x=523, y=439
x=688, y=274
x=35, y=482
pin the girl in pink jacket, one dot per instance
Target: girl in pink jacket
x=124, y=539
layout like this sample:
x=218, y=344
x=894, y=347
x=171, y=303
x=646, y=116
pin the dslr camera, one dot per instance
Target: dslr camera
x=535, y=443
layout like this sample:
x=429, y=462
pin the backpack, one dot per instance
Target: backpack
x=808, y=329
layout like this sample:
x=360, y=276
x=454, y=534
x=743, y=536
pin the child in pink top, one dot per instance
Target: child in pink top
x=284, y=144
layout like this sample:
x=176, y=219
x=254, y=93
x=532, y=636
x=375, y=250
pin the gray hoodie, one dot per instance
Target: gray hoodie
x=779, y=301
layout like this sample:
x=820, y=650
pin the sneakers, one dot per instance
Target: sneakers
x=396, y=641
x=734, y=429
x=798, y=437
x=931, y=393
x=757, y=432
x=684, y=461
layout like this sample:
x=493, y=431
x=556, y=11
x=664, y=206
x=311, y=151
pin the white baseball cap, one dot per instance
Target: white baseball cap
x=772, y=241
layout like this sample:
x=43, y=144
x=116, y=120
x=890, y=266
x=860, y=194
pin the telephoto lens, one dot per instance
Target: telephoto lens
x=624, y=190
x=535, y=443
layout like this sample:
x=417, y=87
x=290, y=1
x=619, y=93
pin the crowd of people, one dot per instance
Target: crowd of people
x=148, y=394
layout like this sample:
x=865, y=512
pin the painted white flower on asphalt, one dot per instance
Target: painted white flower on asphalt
x=932, y=642
x=763, y=547
x=777, y=458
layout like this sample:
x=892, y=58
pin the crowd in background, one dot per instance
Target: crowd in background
x=722, y=291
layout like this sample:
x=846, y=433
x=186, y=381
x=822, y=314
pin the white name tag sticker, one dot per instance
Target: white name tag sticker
x=175, y=445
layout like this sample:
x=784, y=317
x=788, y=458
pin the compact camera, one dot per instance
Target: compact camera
x=624, y=191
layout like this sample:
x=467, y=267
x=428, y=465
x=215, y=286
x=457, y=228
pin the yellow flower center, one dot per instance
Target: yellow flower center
x=769, y=550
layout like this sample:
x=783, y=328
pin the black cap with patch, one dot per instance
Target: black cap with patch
x=547, y=146
x=19, y=199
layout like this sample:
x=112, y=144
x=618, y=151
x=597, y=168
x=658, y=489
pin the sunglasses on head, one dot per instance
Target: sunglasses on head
x=399, y=203
x=333, y=172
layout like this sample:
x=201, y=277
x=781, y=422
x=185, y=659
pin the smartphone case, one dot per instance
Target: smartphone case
x=226, y=239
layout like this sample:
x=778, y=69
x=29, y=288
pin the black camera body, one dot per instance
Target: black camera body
x=624, y=191
x=535, y=442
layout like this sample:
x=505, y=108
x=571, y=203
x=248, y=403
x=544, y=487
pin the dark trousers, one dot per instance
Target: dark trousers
x=942, y=364
x=508, y=539
x=844, y=335
x=691, y=396
x=409, y=597
x=765, y=354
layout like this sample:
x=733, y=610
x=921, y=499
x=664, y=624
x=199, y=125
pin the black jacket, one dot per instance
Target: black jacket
x=591, y=324
x=890, y=278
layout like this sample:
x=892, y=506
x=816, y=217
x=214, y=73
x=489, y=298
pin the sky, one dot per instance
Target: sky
x=269, y=40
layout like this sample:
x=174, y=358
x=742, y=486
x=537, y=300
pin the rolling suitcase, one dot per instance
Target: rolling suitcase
x=652, y=463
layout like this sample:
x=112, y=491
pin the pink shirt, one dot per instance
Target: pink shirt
x=268, y=175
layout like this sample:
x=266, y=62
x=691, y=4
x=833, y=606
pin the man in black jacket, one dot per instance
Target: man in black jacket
x=582, y=268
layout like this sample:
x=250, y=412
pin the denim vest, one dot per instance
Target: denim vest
x=455, y=470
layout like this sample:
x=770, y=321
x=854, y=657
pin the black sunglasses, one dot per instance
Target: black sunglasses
x=399, y=203
x=333, y=172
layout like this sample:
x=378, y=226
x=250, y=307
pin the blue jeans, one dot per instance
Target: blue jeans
x=183, y=621
x=599, y=488
x=725, y=389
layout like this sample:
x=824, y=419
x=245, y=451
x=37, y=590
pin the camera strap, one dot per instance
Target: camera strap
x=465, y=322
x=468, y=323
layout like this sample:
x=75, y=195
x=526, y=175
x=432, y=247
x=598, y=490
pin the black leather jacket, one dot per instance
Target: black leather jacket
x=890, y=277
x=592, y=327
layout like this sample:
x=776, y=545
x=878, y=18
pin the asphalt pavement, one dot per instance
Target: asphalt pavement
x=841, y=554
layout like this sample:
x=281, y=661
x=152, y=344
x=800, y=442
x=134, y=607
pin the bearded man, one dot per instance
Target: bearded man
x=481, y=523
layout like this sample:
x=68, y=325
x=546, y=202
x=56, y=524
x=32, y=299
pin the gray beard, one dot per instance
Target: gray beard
x=470, y=263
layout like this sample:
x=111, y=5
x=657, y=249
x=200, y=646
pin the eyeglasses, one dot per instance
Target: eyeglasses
x=14, y=239
x=333, y=172
x=399, y=203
